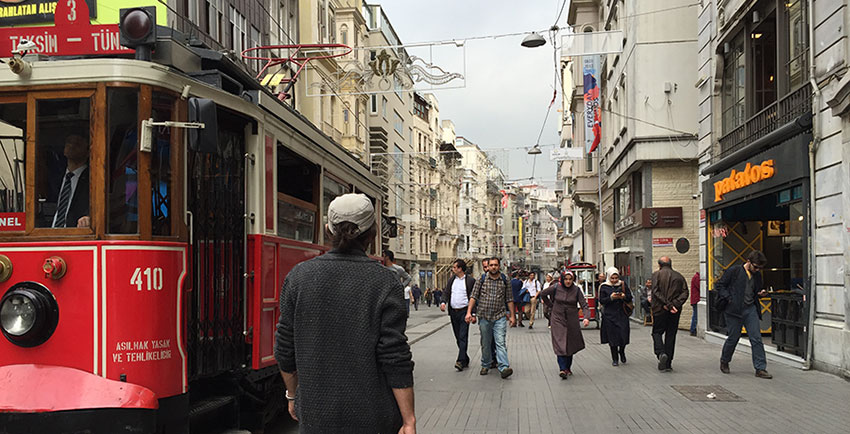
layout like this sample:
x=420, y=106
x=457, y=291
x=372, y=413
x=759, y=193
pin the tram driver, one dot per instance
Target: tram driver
x=72, y=197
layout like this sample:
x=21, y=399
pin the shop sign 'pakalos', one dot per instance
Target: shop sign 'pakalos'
x=749, y=176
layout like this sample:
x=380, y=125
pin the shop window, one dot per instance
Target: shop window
x=763, y=40
x=13, y=133
x=734, y=84
x=62, y=170
x=297, y=185
x=162, y=109
x=122, y=209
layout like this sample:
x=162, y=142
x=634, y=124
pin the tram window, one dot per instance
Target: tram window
x=297, y=196
x=122, y=211
x=62, y=163
x=13, y=129
x=331, y=188
x=162, y=109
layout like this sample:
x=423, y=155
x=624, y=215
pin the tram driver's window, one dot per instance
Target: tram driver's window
x=62, y=172
x=297, y=196
x=122, y=211
x=13, y=130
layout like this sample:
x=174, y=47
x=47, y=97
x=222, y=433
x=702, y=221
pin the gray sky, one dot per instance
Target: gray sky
x=508, y=87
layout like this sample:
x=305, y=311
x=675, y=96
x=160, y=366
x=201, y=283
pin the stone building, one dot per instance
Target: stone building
x=774, y=162
x=648, y=148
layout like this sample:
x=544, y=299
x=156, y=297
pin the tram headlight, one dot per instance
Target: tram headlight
x=28, y=314
x=18, y=315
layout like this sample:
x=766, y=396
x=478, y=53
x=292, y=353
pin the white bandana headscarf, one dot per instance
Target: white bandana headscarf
x=609, y=272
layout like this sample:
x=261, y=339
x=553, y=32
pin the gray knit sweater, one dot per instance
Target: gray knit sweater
x=341, y=326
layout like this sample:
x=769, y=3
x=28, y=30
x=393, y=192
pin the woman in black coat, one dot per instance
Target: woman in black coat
x=613, y=294
x=563, y=300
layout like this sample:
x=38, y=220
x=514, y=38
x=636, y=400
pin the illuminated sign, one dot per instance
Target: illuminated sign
x=14, y=12
x=72, y=35
x=748, y=176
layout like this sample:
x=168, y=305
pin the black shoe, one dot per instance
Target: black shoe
x=662, y=361
x=521, y=325
x=623, y=358
x=563, y=375
x=761, y=373
x=507, y=372
x=724, y=367
x=615, y=363
x=459, y=366
x=484, y=371
x=530, y=326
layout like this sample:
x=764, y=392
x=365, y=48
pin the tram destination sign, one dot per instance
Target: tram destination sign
x=16, y=12
x=71, y=35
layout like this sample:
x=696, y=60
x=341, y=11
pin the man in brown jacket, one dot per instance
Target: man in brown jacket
x=669, y=293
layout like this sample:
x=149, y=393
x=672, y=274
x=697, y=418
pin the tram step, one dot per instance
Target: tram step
x=210, y=405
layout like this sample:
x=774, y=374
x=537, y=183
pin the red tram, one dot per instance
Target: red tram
x=585, y=277
x=140, y=268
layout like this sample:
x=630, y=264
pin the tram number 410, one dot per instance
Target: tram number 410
x=150, y=276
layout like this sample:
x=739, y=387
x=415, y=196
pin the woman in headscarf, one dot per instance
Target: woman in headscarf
x=613, y=294
x=562, y=300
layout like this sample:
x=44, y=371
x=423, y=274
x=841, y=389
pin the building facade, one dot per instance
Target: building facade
x=774, y=160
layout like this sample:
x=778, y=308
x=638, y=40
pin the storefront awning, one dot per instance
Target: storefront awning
x=624, y=250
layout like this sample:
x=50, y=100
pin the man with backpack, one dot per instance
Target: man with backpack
x=490, y=295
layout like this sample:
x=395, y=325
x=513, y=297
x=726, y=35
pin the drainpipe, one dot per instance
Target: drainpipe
x=813, y=147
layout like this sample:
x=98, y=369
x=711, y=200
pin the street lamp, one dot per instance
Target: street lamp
x=533, y=40
x=535, y=150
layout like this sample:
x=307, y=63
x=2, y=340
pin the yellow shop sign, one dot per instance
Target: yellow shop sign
x=736, y=180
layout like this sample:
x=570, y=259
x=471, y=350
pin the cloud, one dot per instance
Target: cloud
x=508, y=87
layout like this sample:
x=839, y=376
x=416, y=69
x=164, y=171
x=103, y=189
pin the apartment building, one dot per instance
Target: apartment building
x=447, y=178
x=773, y=89
x=647, y=178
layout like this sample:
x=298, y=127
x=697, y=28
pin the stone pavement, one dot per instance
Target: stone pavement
x=600, y=398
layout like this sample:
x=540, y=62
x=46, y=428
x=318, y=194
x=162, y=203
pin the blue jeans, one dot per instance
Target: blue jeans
x=461, y=330
x=750, y=320
x=491, y=330
x=694, y=320
x=565, y=362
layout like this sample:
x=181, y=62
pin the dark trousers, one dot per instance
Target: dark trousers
x=565, y=362
x=749, y=319
x=461, y=329
x=666, y=324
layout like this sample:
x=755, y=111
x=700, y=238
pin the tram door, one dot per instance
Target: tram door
x=216, y=199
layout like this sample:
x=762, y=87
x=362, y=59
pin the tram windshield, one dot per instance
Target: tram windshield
x=585, y=279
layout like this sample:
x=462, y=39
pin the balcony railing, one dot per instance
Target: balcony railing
x=781, y=112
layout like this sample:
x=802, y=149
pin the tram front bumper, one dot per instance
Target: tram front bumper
x=58, y=399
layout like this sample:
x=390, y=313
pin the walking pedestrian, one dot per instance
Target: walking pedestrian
x=491, y=295
x=737, y=293
x=563, y=300
x=485, y=265
x=532, y=288
x=429, y=295
x=669, y=293
x=549, y=281
x=695, y=297
x=333, y=350
x=438, y=296
x=407, y=290
x=458, y=290
x=614, y=294
x=389, y=262
x=416, y=293
x=517, y=294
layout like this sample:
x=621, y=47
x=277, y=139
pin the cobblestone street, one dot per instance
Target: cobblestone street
x=599, y=398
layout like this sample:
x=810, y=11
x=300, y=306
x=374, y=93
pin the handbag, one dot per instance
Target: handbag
x=628, y=308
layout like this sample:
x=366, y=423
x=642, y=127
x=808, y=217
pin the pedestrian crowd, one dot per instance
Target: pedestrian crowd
x=328, y=367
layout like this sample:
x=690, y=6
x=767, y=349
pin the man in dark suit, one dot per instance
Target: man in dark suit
x=738, y=291
x=72, y=204
x=456, y=295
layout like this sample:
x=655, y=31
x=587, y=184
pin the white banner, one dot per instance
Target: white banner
x=592, y=43
x=561, y=154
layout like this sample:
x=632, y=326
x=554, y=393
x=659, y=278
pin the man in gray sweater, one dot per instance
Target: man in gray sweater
x=345, y=360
